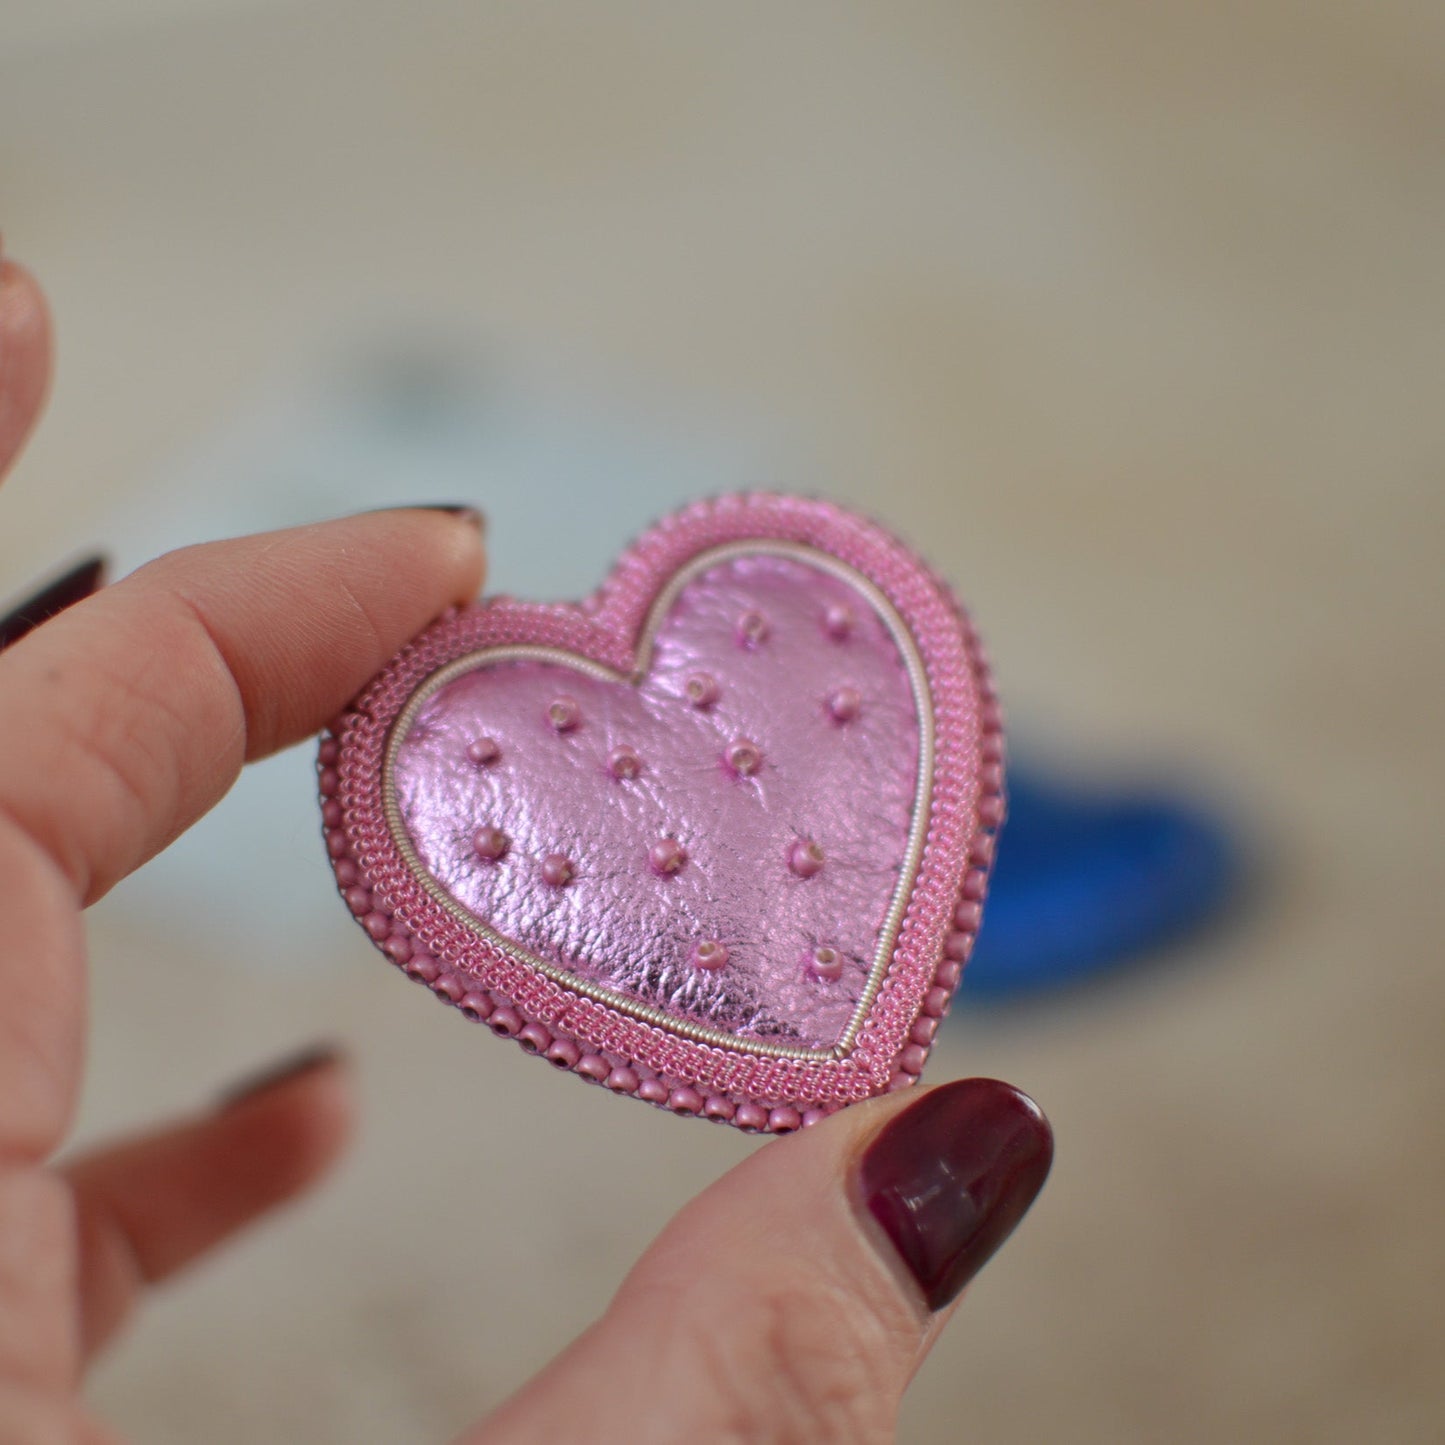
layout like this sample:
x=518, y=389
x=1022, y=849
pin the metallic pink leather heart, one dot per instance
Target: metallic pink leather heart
x=718, y=837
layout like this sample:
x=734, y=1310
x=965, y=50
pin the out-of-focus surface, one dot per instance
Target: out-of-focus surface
x=1131, y=316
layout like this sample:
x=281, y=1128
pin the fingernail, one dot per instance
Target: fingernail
x=461, y=510
x=949, y=1178
x=73, y=586
x=308, y=1060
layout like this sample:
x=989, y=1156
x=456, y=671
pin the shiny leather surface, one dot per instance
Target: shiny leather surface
x=847, y=785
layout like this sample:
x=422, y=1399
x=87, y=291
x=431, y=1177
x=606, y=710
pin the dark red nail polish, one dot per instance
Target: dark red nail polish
x=317, y=1056
x=949, y=1178
x=72, y=586
x=463, y=511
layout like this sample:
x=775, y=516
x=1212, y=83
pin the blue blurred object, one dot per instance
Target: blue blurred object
x=1085, y=882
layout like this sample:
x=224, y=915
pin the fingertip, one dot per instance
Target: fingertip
x=25, y=350
x=300, y=1112
x=450, y=538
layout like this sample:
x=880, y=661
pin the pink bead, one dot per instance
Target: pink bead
x=336, y=844
x=923, y=1031
x=666, y=855
x=358, y=900
x=347, y=872
x=398, y=948
x=653, y=1090
x=975, y=885
x=623, y=764
x=751, y=1117
x=784, y=1120
x=900, y=1080
x=990, y=777
x=329, y=781
x=935, y=1002
x=484, y=751
x=534, y=1038
x=564, y=714
x=805, y=858
x=593, y=1066
x=557, y=870
x=477, y=1006
x=991, y=748
x=449, y=987
x=328, y=753
x=701, y=689
x=753, y=628
x=743, y=757
x=490, y=843
x=990, y=717
x=378, y=925
x=563, y=1053
x=838, y=622
x=826, y=964
x=718, y=1107
x=331, y=813
x=685, y=1100
x=505, y=1020
x=991, y=810
x=981, y=850
x=709, y=954
x=843, y=704
x=813, y=1116
x=958, y=945
x=422, y=967
x=622, y=1080
x=949, y=973
x=968, y=915
x=913, y=1058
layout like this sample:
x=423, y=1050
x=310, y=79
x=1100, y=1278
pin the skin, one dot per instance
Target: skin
x=766, y=1311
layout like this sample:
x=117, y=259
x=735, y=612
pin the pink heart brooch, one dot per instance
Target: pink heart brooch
x=718, y=837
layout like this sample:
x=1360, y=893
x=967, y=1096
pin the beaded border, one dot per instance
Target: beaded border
x=956, y=817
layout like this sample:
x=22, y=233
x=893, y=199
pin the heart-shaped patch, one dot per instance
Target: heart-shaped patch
x=718, y=837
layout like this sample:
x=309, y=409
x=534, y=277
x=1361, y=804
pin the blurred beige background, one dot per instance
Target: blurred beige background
x=1132, y=315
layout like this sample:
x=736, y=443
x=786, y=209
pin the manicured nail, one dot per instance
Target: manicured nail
x=308, y=1060
x=949, y=1178
x=463, y=511
x=65, y=591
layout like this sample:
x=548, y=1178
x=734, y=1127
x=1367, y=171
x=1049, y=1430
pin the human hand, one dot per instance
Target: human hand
x=792, y=1300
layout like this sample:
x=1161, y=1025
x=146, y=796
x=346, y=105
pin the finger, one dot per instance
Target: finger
x=794, y=1299
x=24, y=358
x=127, y=717
x=147, y=1208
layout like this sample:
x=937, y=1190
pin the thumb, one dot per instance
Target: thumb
x=795, y=1298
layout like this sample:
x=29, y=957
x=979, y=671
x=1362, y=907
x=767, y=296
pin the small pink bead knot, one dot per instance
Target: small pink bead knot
x=743, y=757
x=843, y=704
x=701, y=689
x=667, y=856
x=710, y=954
x=564, y=714
x=557, y=870
x=624, y=764
x=484, y=751
x=805, y=858
x=826, y=964
x=753, y=629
